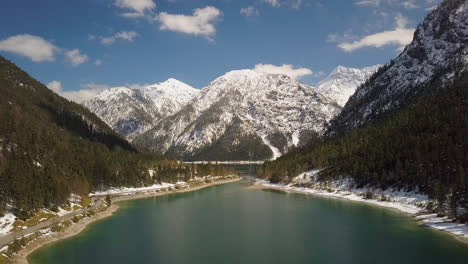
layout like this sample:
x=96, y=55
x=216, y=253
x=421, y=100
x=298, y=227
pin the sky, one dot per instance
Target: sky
x=79, y=48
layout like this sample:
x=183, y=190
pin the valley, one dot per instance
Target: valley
x=178, y=137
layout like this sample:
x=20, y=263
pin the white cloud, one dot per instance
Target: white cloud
x=98, y=62
x=137, y=7
x=87, y=91
x=287, y=69
x=401, y=21
x=273, y=3
x=400, y=36
x=201, y=22
x=55, y=86
x=33, y=47
x=123, y=35
x=409, y=4
x=249, y=11
x=75, y=57
x=368, y=3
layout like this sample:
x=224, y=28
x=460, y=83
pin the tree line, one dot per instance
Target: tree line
x=51, y=147
x=422, y=146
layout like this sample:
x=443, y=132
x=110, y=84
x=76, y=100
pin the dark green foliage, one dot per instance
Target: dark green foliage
x=232, y=145
x=50, y=148
x=424, y=146
x=108, y=200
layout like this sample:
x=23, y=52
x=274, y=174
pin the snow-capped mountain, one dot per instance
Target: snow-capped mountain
x=243, y=115
x=343, y=82
x=132, y=111
x=438, y=53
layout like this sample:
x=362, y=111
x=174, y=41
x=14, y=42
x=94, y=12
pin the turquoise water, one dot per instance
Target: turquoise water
x=234, y=224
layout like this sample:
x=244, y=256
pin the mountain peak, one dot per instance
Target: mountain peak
x=437, y=54
x=131, y=111
x=244, y=115
x=343, y=82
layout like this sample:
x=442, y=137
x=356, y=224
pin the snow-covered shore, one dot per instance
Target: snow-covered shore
x=129, y=190
x=118, y=194
x=6, y=223
x=412, y=203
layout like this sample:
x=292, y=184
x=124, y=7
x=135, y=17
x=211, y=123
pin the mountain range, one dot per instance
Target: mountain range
x=242, y=115
x=405, y=128
x=132, y=111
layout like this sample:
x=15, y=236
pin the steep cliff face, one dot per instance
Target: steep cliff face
x=438, y=53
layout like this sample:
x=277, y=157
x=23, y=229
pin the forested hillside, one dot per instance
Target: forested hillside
x=50, y=148
x=437, y=53
x=423, y=146
x=406, y=126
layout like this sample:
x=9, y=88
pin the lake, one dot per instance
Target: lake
x=234, y=224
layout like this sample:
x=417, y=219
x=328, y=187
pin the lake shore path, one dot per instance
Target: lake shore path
x=10, y=237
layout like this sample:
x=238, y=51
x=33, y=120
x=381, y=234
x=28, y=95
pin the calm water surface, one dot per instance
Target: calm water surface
x=233, y=224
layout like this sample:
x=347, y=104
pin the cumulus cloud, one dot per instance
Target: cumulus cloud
x=201, y=22
x=273, y=3
x=123, y=35
x=87, y=91
x=98, y=62
x=400, y=36
x=75, y=57
x=287, y=69
x=137, y=7
x=249, y=11
x=40, y=50
x=55, y=86
x=33, y=47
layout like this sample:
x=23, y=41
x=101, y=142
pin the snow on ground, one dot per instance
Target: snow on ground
x=3, y=249
x=6, y=223
x=408, y=202
x=125, y=190
x=62, y=212
x=444, y=224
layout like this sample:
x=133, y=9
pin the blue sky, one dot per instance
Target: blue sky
x=85, y=46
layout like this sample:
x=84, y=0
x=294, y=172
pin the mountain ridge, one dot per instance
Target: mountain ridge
x=439, y=51
x=268, y=109
x=133, y=110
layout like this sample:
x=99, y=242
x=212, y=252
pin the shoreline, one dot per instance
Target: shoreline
x=76, y=228
x=415, y=216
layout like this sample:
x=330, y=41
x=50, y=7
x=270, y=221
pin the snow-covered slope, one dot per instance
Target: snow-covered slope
x=132, y=111
x=437, y=54
x=343, y=82
x=243, y=115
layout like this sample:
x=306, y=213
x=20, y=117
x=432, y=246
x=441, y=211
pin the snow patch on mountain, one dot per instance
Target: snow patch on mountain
x=244, y=104
x=435, y=57
x=131, y=111
x=343, y=82
x=276, y=152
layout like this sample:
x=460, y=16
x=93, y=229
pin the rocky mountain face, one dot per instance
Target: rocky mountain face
x=437, y=55
x=243, y=115
x=132, y=111
x=343, y=82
